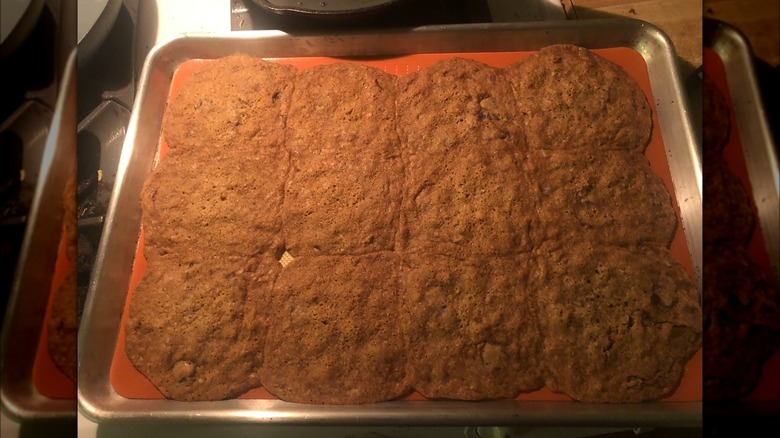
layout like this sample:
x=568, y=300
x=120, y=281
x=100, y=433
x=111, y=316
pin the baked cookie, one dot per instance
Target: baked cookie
x=335, y=337
x=741, y=323
x=570, y=98
x=605, y=197
x=63, y=323
x=454, y=104
x=196, y=331
x=472, y=205
x=728, y=214
x=343, y=193
x=470, y=326
x=618, y=324
x=230, y=103
x=716, y=121
x=228, y=205
x=63, y=327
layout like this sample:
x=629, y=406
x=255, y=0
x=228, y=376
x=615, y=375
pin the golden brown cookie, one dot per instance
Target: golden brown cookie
x=229, y=103
x=343, y=193
x=334, y=336
x=63, y=327
x=196, y=330
x=470, y=326
x=618, y=324
x=455, y=104
x=229, y=204
x=570, y=98
x=606, y=197
x=465, y=195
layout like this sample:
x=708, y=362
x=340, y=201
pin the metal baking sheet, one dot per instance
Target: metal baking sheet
x=109, y=285
x=761, y=163
x=757, y=145
x=35, y=268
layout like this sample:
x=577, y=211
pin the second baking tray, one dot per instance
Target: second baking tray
x=108, y=289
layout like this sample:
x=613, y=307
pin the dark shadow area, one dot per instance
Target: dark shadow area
x=31, y=67
x=656, y=433
x=740, y=419
x=49, y=429
x=769, y=82
x=402, y=14
x=110, y=68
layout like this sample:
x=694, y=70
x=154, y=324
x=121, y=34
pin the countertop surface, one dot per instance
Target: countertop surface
x=759, y=20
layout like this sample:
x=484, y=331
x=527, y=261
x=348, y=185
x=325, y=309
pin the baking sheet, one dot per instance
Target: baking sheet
x=36, y=268
x=101, y=327
x=732, y=51
x=130, y=383
x=751, y=157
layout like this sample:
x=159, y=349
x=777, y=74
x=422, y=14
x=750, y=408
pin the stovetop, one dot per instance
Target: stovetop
x=246, y=15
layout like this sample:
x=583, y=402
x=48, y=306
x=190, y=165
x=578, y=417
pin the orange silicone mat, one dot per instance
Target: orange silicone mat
x=768, y=386
x=130, y=383
x=47, y=378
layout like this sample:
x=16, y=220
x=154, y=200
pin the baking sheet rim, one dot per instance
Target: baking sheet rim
x=274, y=410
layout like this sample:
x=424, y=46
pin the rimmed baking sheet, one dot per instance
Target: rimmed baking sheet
x=100, y=400
x=750, y=155
x=35, y=273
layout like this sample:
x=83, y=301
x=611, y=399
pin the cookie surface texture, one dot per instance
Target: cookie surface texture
x=335, y=337
x=571, y=98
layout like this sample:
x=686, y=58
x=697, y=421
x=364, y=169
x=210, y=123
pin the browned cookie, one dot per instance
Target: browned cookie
x=619, y=324
x=334, y=336
x=464, y=192
x=63, y=327
x=229, y=204
x=343, y=194
x=741, y=323
x=456, y=104
x=570, y=98
x=609, y=197
x=716, y=122
x=728, y=214
x=229, y=103
x=470, y=327
x=69, y=218
x=196, y=329
x=473, y=205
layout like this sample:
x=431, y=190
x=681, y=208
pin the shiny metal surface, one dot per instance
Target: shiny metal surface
x=757, y=145
x=108, y=287
x=35, y=268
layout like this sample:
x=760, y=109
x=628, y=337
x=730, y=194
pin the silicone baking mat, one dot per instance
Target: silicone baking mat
x=130, y=383
x=768, y=386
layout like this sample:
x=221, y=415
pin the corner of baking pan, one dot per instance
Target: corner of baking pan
x=674, y=116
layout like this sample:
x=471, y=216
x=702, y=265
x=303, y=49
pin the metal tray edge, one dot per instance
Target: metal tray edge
x=42, y=237
x=758, y=146
x=98, y=401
